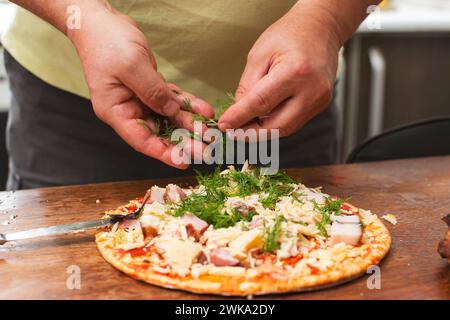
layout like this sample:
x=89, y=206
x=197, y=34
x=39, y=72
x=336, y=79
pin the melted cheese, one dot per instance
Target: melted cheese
x=179, y=253
x=249, y=240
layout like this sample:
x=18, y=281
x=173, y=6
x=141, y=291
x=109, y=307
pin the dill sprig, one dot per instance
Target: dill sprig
x=272, y=235
x=276, y=192
x=164, y=129
x=331, y=206
x=222, y=106
x=210, y=204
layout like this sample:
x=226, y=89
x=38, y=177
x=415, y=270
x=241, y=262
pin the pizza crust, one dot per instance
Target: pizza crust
x=229, y=285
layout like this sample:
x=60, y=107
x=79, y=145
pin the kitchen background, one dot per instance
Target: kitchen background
x=396, y=71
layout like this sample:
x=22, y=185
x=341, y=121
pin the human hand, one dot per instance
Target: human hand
x=125, y=87
x=289, y=76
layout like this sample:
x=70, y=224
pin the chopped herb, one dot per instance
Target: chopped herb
x=272, y=235
x=164, y=129
x=296, y=197
x=275, y=193
x=247, y=183
x=210, y=204
x=331, y=206
x=224, y=104
x=187, y=104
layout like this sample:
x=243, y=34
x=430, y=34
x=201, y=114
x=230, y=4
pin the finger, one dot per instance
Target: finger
x=267, y=94
x=194, y=148
x=186, y=120
x=253, y=72
x=192, y=103
x=138, y=133
x=289, y=117
x=141, y=77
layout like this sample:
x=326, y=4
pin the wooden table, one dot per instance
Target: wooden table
x=417, y=191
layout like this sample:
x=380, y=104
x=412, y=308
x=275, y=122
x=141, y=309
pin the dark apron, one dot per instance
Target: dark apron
x=54, y=138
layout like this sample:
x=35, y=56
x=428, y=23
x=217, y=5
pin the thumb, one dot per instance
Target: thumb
x=151, y=88
x=253, y=72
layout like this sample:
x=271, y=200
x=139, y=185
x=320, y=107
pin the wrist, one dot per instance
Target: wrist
x=90, y=13
x=338, y=19
x=317, y=24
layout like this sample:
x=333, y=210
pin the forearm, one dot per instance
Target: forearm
x=56, y=12
x=340, y=17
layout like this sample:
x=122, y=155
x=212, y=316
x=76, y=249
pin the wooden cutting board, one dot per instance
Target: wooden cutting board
x=417, y=191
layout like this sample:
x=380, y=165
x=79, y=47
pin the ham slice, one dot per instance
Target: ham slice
x=349, y=233
x=174, y=193
x=222, y=258
x=256, y=222
x=157, y=194
x=195, y=224
x=130, y=225
x=149, y=224
x=133, y=229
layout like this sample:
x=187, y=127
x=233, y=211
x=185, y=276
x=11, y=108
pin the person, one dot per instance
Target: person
x=72, y=62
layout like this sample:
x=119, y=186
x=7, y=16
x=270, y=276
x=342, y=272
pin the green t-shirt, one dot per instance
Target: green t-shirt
x=200, y=45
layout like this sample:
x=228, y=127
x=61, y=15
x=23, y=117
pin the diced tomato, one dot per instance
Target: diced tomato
x=292, y=261
x=132, y=207
x=314, y=270
x=345, y=207
x=137, y=252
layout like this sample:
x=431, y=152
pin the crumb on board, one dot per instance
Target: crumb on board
x=390, y=218
x=97, y=201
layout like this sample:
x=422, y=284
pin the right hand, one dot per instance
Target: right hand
x=125, y=87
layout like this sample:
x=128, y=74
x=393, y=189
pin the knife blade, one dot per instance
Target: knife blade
x=56, y=230
x=75, y=227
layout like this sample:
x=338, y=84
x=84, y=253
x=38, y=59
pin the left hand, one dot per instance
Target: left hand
x=289, y=76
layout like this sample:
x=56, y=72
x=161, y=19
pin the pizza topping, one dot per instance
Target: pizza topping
x=174, y=193
x=129, y=235
x=249, y=240
x=194, y=224
x=222, y=257
x=349, y=233
x=244, y=220
x=179, y=253
x=150, y=224
x=272, y=234
x=132, y=227
x=353, y=219
x=157, y=194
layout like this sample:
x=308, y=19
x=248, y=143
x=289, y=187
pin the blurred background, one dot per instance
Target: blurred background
x=396, y=72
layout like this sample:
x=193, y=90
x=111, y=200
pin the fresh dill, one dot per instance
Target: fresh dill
x=296, y=197
x=331, y=206
x=164, y=129
x=187, y=104
x=272, y=235
x=209, y=205
x=223, y=105
x=276, y=192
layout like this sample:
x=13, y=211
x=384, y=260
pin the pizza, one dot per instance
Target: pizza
x=243, y=232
